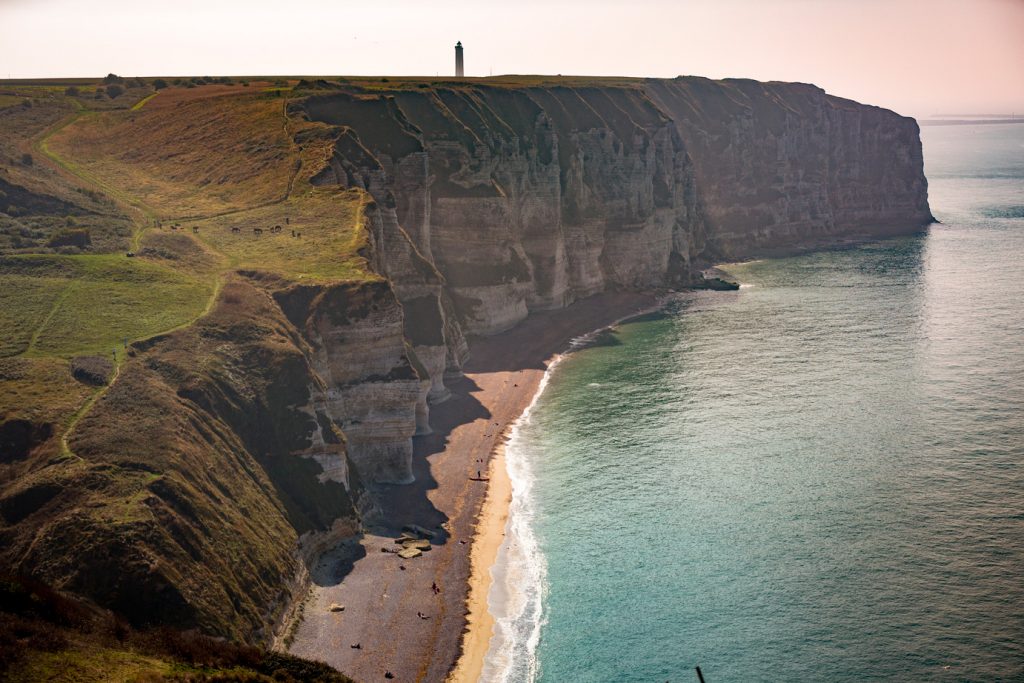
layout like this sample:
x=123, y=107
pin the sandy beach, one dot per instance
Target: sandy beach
x=490, y=533
x=391, y=612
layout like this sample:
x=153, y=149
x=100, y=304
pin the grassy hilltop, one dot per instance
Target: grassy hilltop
x=126, y=213
x=165, y=175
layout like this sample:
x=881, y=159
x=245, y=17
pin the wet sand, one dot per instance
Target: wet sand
x=382, y=594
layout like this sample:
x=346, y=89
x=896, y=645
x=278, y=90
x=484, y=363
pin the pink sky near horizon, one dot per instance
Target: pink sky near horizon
x=919, y=57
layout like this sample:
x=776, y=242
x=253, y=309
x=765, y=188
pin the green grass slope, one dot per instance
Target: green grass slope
x=151, y=402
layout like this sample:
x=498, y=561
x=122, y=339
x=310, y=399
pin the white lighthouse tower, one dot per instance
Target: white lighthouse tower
x=459, y=69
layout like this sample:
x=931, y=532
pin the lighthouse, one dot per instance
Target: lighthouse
x=459, y=70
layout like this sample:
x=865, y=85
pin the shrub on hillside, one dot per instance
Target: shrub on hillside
x=159, y=84
x=71, y=237
x=92, y=370
x=112, y=78
x=114, y=91
x=26, y=159
x=71, y=91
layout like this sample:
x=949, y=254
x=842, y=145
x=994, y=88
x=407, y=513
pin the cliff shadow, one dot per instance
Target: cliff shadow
x=337, y=563
x=405, y=504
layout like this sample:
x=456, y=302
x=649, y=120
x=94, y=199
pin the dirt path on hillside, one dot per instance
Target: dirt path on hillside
x=381, y=600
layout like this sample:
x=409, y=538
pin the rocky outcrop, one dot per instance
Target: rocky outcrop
x=372, y=390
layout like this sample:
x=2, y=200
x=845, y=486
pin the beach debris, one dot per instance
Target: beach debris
x=402, y=567
x=409, y=553
x=356, y=646
x=423, y=545
x=388, y=674
x=335, y=607
x=421, y=615
x=420, y=531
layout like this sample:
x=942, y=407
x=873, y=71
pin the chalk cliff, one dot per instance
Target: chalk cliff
x=784, y=165
x=494, y=200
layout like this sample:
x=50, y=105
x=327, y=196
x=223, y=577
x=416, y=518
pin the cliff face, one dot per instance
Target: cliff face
x=783, y=165
x=492, y=201
x=523, y=199
x=529, y=198
x=371, y=388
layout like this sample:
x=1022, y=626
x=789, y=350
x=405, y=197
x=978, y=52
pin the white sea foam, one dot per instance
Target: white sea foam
x=516, y=598
x=519, y=574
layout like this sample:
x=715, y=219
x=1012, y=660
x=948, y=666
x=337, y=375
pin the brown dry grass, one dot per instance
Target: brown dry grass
x=188, y=152
x=321, y=236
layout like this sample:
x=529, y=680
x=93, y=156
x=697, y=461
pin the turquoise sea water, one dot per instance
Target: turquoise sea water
x=819, y=477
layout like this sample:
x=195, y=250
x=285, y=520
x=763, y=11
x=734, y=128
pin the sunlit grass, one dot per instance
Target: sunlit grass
x=320, y=238
x=187, y=152
x=72, y=305
x=92, y=664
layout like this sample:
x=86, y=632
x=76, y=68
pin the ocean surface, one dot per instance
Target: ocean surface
x=819, y=477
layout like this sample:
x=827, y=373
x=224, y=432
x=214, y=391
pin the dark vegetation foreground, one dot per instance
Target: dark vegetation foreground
x=46, y=635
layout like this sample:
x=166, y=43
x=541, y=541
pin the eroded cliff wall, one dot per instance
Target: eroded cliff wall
x=523, y=199
x=496, y=199
x=531, y=197
x=784, y=165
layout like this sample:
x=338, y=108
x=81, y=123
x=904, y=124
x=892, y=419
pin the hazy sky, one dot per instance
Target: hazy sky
x=919, y=57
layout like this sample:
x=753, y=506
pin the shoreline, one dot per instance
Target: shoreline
x=490, y=530
x=486, y=545
x=380, y=628
x=382, y=596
